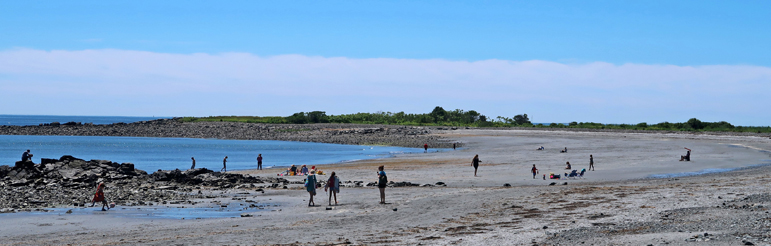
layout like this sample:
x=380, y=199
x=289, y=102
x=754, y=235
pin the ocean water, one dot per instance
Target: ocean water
x=25, y=120
x=151, y=154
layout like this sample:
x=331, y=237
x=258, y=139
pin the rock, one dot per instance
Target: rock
x=440, y=183
x=506, y=185
x=395, y=209
x=545, y=227
x=69, y=211
x=246, y=215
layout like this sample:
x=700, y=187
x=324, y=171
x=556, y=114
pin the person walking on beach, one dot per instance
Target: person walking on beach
x=534, y=170
x=333, y=184
x=382, y=182
x=425, y=148
x=26, y=156
x=475, y=164
x=259, y=161
x=224, y=164
x=591, y=162
x=310, y=186
x=453, y=146
x=99, y=197
x=193, y=167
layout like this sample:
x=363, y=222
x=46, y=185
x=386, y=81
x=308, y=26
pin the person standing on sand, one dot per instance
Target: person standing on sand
x=193, y=167
x=259, y=161
x=224, y=164
x=475, y=164
x=591, y=162
x=534, y=170
x=425, y=148
x=310, y=186
x=333, y=184
x=99, y=197
x=382, y=183
x=453, y=146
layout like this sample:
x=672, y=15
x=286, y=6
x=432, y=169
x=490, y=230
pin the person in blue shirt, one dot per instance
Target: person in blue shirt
x=382, y=183
x=26, y=156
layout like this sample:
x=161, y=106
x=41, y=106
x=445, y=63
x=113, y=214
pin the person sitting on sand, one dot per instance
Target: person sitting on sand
x=303, y=170
x=310, y=186
x=99, y=197
x=292, y=170
x=534, y=170
x=687, y=156
x=564, y=150
x=333, y=184
x=568, y=165
x=541, y=148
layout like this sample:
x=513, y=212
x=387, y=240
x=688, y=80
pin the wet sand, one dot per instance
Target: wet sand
x=617, y=204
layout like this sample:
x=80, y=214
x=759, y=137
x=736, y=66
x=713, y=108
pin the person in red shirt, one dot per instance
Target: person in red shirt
x=99, y=197
x=425, y=148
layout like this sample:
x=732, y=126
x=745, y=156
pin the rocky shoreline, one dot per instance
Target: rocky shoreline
x=70, y=181
x=403, y=136
x=355, y=134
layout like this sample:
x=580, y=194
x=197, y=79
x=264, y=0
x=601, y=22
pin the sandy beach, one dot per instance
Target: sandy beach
x=618, y=204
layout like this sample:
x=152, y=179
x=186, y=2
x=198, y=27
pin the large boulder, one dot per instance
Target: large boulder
x=4, y=170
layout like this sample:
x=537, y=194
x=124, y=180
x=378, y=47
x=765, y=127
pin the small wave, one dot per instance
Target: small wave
x=704, y=171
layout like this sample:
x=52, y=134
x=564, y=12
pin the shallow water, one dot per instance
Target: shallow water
x=706, y=171
x=157, y=212
x=151, y=154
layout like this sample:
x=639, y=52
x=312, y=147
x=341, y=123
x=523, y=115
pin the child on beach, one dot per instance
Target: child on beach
x=568, y=165
x=310, y=186
x=591, y=162
x=534, y=170
x=99, y=197
x=333, y=184
x=382, y=182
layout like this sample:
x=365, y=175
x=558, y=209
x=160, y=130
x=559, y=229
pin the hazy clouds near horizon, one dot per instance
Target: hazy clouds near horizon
x=125, y=82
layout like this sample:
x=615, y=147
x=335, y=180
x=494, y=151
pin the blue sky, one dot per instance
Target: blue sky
x=716, y=39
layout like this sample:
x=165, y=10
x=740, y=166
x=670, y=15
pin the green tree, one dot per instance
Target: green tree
x=521, y=119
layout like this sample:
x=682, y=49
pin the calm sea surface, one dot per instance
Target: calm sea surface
x=151, y=154
x=25, y=120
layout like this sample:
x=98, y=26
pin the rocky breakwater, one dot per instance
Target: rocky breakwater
x=405, y=136
x=70, y=181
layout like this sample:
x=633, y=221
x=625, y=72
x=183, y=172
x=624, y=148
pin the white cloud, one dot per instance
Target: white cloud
x=146, y=83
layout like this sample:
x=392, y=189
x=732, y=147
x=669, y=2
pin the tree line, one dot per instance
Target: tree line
x=458, y=117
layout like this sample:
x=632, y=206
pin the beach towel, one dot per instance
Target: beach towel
x=310, y=184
